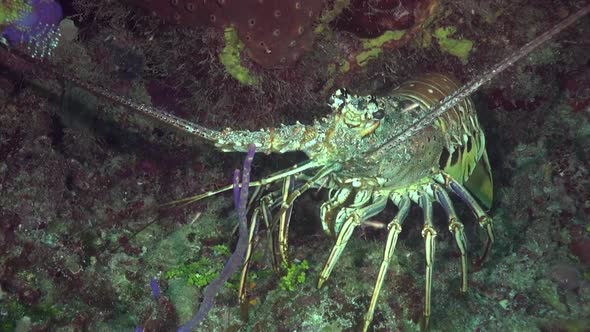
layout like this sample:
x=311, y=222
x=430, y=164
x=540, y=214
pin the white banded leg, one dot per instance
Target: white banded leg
x=429, y=235
x=285, y=216
x=242, y=292
x=482, y=217
x=283, y=241
x=456, y=228
x=329, y=208
x=296, y=169
x=355, y=218
x=394, y=228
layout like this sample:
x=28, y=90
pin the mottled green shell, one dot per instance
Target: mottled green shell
x=463, y=155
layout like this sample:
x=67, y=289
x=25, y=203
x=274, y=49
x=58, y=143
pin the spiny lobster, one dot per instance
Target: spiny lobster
x=416, y=144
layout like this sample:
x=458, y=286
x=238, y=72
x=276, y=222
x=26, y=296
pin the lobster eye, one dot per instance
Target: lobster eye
x=380, y=114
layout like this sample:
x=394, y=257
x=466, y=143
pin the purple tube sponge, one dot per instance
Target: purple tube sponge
x=43, y=16
x=154, y=284
x=236, y=260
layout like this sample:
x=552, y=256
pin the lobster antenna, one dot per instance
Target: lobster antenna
x=453, y=99
x=210, y=135
x=150, y=112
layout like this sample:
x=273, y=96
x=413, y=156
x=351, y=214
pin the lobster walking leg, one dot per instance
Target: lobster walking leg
x=456, y=227
x=394, y=228
x=296, y=169
x=429, y=235
x=355, y=218
x=247, y=261
x=283, y=241
x=482, y=217
x=328, y=209
x=285, y=218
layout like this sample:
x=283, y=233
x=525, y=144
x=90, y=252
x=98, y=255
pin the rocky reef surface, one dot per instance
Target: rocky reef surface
x=85, y=245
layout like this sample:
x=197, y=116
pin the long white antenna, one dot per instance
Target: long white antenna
x=467, y=89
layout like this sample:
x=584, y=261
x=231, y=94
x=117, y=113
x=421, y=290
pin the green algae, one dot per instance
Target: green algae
x=201, y=272
x=458, y=47
x=296, y=275
x=373, y=47
x=547, y=291
x=384, y=38
x=330, y=14
x=230, y=58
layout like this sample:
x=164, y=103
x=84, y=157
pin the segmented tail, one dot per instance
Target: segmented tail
x=466, y=90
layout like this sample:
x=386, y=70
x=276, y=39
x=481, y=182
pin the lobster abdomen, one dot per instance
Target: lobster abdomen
x=463, y=156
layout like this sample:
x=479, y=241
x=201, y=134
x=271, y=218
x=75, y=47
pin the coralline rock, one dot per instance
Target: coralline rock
x=371, y=18
x=275, y=32
x=192, y=13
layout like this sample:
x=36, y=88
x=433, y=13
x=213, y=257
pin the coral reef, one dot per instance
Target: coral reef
x=370, y=19
x=271, y=55
x=275, y=33
x=82, y=237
